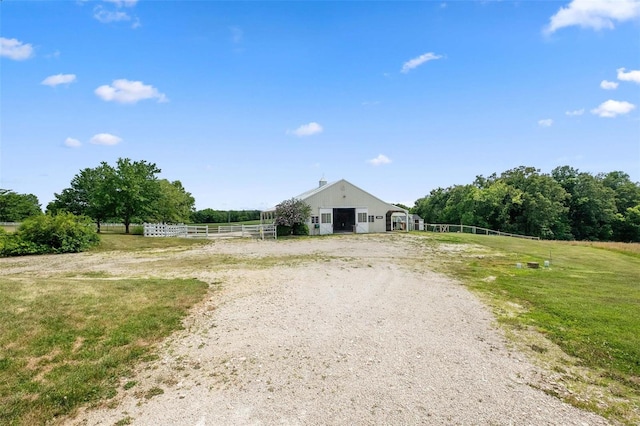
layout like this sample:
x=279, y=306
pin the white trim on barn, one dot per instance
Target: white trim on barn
x=341, y=207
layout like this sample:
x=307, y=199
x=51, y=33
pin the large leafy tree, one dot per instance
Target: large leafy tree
x=174, y=203
x=135, y=190
x=430, y=207
x=591, y=205
x=90, y=194
x=626, y=226
x=16, y=207
x=127, y=192
x=543, y=210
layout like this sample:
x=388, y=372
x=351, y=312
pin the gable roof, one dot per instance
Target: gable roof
x=319, y=189
x=314, y=191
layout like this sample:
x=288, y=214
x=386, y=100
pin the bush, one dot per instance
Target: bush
x=283, y=230
x=13, y=245
x=300, y=229
x=137, y=230
x=63, y=233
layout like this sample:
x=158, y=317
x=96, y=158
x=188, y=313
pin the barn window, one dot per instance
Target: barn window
x=315, y=219
x=362, y=217
x=326, y=217
x=372, y=218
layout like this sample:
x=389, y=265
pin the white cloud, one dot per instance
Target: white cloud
x=120, y=3
x=379, y=160
x=608, y=85
x=129, y=92
x=633, y=75
x=54, y=55
x=54, y=80
x=307, y=129
x=416, y=62
x=105, y=16
x=72, y=143
x=596, y=14
x=236, y=34
x=15, y=49
x=547, y=122
x=114, y=12
x=105, y=139
x=575, y=112
x=611, y=108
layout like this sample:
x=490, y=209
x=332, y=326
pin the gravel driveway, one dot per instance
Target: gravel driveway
x=355, y=330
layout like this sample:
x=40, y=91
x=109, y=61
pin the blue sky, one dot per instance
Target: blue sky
x=251, y=103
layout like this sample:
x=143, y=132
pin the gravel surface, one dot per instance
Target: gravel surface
x=359, y=332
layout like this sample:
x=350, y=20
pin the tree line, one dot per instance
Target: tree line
x=224, y=216
x=566, y=204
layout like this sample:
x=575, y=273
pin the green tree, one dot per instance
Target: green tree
x=494, y=203
x=628, y=226
x=627, y=199
x=591, y=205
x=174, y=203
x=90, y=194
x=17, y=207
x=430, y=207
x=543, y=210
x=135, y=190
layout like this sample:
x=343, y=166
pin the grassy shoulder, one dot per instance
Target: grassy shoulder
x=587, y=303
x=68, y=342
x=130, y=242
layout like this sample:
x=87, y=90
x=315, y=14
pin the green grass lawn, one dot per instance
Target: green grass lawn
x=587, y=302
x=67, y=342
x=129, y=242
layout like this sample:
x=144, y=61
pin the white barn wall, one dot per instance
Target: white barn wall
x=342, y=194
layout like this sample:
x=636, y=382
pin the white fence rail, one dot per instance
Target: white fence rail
x=210, y=231
x=469, y=229
x=10, y=226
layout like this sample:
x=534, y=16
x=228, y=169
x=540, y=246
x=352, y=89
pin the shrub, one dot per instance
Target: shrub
x=300, y=229
x=13, y=245
x=62, y=233
x=137, y=230
x=283, y=230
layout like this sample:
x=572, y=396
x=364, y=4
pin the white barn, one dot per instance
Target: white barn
x=341, y=207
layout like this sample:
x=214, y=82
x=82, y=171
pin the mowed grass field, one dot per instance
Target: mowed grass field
x=68, y=340
x=587, y=302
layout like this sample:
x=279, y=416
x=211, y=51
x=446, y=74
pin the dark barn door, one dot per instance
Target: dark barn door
x=344, y=220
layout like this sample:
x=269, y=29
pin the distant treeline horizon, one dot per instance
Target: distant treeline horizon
x=224, y=216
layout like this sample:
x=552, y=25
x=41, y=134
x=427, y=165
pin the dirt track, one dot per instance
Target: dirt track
x=354, y=334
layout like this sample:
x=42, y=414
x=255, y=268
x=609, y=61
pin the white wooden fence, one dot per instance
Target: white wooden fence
x=210, y=231
x=469, y=229
x=10, y=226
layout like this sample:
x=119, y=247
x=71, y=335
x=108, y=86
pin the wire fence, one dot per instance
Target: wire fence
x=470, y=229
